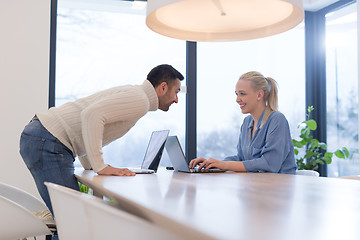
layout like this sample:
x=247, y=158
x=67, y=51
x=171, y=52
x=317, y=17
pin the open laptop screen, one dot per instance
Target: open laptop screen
x=154, y=150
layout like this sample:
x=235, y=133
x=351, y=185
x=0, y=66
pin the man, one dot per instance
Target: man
x=52, y=140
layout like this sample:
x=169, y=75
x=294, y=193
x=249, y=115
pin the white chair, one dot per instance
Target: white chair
x=21, y=197
x=17, y=222
x=308, y=173
x=69, y=212
x=30, y=203
x=83, y=216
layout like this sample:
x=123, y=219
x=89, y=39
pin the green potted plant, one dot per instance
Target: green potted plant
x=315, y=152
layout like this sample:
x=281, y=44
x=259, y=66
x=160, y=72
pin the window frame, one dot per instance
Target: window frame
x=315, y=67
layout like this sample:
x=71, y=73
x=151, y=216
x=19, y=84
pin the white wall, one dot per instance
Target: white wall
x=358, y=36
x=24, y=74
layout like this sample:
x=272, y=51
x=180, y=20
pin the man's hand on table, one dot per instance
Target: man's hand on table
x=116, y=171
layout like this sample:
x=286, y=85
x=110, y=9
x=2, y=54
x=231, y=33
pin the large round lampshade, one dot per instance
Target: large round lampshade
x=222, y=20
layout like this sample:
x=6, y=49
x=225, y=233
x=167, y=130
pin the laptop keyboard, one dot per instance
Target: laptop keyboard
x=196, y=169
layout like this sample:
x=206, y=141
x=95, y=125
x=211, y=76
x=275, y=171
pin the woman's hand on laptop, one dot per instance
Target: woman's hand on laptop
x=207, y=164
x=196, y=161
x=109, y=170
x=212, y=163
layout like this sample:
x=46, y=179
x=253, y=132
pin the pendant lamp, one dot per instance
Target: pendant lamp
x=222, y=20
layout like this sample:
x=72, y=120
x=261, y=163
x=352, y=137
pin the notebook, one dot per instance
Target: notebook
x=178, y=159
x=153, y=152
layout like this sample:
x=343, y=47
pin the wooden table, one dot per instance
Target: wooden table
x=354, y=177
x=238, y=205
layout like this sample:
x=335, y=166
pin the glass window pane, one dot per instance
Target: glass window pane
x=342, y=85
x=281, y=57
x=99, y=49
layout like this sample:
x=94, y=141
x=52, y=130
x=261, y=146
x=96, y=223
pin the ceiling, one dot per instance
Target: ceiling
x=314, y=5
x=309, y=5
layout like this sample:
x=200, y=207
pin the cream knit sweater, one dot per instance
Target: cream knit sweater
x=88, y=124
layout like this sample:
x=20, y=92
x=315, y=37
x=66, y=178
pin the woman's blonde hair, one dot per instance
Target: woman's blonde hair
x=267, y=84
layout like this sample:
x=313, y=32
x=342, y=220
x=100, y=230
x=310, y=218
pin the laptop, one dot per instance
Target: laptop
x=153, y=152
x=178, y=159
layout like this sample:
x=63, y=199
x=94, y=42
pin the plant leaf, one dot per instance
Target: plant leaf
x=323, y=145
x=345, y=151
x=308, y=154
x=310, y=108
x=329, y=154
x=342, y=153
x=305, y=141
x=319, y=161
x=296, y=152
x=314, y=143
x=305, y=132
x=339, y=154
x=327, y=157
x=298, y=144
x=311, y=124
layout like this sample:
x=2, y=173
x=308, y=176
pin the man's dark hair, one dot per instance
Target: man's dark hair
x=163, y=73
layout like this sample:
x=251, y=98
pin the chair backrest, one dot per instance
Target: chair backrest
x=69, y=212
x=21, y=197
x=308, y=173
x=103, y=220
x=17, y=222
x=108, y=222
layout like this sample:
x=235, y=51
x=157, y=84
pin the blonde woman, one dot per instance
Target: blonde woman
x=265, y=143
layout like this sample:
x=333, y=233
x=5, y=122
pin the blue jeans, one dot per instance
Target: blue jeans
x=47, y=159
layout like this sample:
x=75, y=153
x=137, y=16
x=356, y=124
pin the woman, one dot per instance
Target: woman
x=265, y=144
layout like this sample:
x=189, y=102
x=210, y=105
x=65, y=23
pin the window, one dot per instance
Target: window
x=111, y=46
x=101, y=46
x=220, y=65
x=342, y=94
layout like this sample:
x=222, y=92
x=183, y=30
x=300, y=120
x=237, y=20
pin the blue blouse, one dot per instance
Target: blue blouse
x=271, y=148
